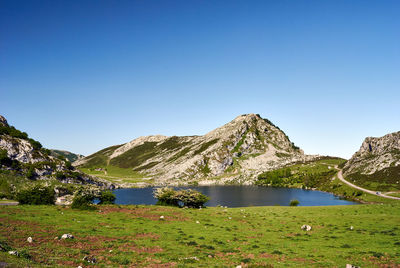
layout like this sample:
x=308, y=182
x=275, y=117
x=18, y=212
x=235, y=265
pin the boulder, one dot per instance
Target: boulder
x=306, y=227
x=90, y=259
x=67, y=236
x=30, y=240
x=13, y=252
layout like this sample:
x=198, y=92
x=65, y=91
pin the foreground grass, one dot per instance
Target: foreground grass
x=211, y=237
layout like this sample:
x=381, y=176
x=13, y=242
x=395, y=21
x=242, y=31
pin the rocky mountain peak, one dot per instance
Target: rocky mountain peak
x=3, y=121
x=375, y=154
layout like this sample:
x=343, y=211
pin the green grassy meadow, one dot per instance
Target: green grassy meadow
x=117, y=174
x=212, y=237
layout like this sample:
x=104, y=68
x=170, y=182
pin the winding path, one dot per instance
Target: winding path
x=340, y=176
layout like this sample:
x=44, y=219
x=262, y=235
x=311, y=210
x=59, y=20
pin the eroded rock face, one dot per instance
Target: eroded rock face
x=375, y=154
x=39, y=163
x=20, y=150
x=237, y=152
x=3, y=121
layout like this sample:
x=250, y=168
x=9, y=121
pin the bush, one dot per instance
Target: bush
x=294, y=203
x=189, y=198
x=83, y=201
x=106, y=197
x=166, y=196
x=30, y=174
x=36, y=195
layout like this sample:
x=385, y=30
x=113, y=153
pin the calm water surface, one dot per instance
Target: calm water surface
x=238, y=196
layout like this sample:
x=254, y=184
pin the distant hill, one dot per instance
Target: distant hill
x=26, y=157
x=376, y=165
x=234, y=153
x=68, y=155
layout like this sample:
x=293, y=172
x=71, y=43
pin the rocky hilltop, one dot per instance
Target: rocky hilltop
x=27, y=157
x=377, y=160
x=71, y=157
x=234, y=153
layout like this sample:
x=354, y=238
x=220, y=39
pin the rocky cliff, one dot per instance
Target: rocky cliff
x=27, y=157
x=377, y=160
x=234, y=153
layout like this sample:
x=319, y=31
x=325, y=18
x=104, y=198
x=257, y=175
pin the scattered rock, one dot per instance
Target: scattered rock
x=90, y=259
x=162, y=218
x=351, y=266
x=197, y=222
x=67, y=236
x=306, y=227
x=30, y=240
x=351, y=228
x=13, y=252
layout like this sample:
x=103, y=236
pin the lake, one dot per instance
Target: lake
x=238, y=196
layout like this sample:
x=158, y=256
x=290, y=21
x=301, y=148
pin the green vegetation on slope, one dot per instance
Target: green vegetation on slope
x=387, y=179
x=115, y=174
x=311, y=175
x=13, y=132
x=100, y=158
x=11, y=182
x=212, y=237
x=71, y=157
x=205, y=146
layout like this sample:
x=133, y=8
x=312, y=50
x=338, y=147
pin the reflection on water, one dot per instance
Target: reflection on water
x=239, y=196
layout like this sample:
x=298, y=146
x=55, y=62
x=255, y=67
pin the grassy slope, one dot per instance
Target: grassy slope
x=117, y=174
x=387, y=179
x=127, y=166
x=223, y=237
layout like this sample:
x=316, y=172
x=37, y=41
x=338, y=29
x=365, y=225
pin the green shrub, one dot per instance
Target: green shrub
x=166, y=196
x=294, y=203
x=36, y=195
x=30, y=174
x=83, y=201
x=189, y=198
x=106, y=197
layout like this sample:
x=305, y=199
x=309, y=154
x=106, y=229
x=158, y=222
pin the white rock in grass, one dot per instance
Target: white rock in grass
x=197, y=222
x=30, y=240
x=67, y=236
x=161, y=217
x=13, y=252
x=351, y=228
x=306, y=227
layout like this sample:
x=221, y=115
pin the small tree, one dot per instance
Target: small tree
x=106, y=197
x=191, y=198
x=83, y=201
x=166, y=196
x=294, y=203
x=36, y=195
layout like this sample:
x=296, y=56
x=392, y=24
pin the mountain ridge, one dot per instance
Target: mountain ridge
x=233, y=153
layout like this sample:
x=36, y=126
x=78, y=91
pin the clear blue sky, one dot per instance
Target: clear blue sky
x=83, y=75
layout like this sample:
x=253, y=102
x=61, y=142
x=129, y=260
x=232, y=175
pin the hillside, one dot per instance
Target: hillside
x=376, y=165
x=23, y=161
x=234, y=153
x=71, y=157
